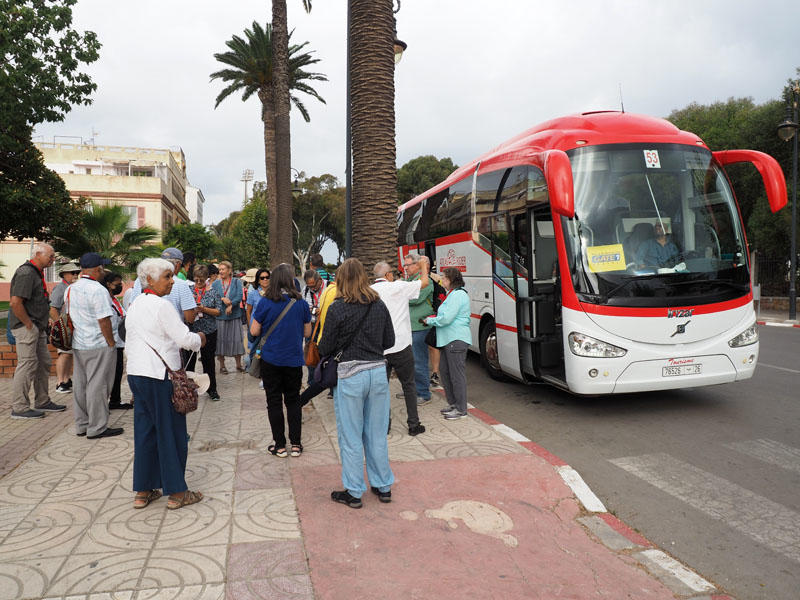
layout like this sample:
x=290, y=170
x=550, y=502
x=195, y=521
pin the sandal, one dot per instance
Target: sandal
x=297, y=449
x=241, y=369
x=279, y=452
x=223, y=370
x=142, y=499
x=185, y=500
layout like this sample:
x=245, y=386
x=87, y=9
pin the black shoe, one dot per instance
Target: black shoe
x=416, y=429
x=51, y=407
x=345, y=498
x=119, y=406
x=109, y=432
x=384, y=497
x=214, y=395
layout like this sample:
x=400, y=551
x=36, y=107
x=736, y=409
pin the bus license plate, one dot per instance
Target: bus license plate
x=680, y=370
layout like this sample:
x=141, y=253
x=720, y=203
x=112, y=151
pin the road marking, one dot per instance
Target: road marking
x=689, y=578
x=510, y=433
x=770, y=451
x=767, y=522
x=762, y=364
x=578, y=486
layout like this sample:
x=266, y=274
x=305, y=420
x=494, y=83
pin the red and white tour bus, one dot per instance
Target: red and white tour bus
x=602, y=252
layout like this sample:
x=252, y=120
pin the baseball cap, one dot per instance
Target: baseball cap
x=69, y=267
x=93, y=259
x=250, y=276
x=172, y=254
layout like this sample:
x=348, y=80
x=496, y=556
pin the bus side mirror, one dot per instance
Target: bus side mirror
x=558, y=175
x=771, y=172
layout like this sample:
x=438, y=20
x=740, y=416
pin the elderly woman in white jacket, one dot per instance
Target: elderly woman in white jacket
x=159, y=432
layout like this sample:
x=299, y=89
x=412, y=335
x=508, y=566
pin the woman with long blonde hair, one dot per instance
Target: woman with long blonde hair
x=359, y=327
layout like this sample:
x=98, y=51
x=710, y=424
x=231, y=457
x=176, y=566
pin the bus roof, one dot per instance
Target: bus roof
x=566, y=133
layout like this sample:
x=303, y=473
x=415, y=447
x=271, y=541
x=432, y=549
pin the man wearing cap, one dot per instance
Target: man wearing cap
x=69, y=273
x=30, y=306
x=93, y=349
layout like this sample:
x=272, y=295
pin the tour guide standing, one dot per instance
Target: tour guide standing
x=93, y=347
x=27, y=318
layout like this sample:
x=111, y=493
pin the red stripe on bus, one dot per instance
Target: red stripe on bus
x=628, y=311
x=475, y=316
x=505, y=327
x=504, y=290
x=455, y=238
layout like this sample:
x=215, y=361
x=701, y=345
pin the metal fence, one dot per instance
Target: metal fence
x=773, y=275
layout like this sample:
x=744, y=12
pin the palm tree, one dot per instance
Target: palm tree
x=251, y=70
x=374, y=186
x=106, y=231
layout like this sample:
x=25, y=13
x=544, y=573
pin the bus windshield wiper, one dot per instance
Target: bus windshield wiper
x=627, y=279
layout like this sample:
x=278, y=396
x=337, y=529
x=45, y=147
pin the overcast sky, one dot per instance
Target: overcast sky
x=475, y=73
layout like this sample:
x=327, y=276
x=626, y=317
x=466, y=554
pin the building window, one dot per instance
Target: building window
x=133, y=214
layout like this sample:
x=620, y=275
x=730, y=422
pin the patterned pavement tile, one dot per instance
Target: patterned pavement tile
x=499, y=446
x=123, y=595
x=53, y=514
x=409, y=451
x=180, y=567
x=88, y=482
x=451, y=450
x=263, y=560
x=124, y=529
x=211, y=591
x=265, y=515
x=261, y=471
x=29, y=484
x=211, y=471
x=292, y=587
x=101, y=572
x=314, y=458
x=11, y=515
x=27, y=578
x=40, y=542
x=207, y=523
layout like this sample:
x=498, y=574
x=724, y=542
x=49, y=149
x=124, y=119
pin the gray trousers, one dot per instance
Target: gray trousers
x=403, y=363
x=92, y=379
x=453, y=372
x=33, y=366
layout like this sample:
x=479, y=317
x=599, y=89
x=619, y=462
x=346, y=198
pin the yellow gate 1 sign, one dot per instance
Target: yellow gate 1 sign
x=605, y=258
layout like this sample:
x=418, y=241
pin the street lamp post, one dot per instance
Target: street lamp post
x=787, y=130
x=247, y=175
x=296, y=189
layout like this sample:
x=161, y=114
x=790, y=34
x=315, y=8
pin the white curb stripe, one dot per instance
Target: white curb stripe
x=591, y=502
x=687, y=577
x=510, y=433
x=771, y=324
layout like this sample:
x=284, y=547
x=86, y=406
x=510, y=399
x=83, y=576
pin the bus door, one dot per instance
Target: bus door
x=538, y=308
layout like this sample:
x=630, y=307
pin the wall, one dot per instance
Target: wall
x=8, y=360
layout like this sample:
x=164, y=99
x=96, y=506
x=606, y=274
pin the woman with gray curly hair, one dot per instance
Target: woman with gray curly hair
x=155, y=332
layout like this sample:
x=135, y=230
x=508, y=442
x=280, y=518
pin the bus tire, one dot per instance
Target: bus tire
x=488, y=347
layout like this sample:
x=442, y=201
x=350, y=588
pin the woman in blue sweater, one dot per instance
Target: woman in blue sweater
x=453, y=338
x=229, y=323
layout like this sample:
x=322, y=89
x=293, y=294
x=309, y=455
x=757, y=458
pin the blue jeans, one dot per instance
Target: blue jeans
x=159, y=437
x=361, y=402
x=421, y=374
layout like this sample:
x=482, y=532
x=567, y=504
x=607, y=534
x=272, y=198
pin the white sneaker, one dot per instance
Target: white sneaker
x=261, y=384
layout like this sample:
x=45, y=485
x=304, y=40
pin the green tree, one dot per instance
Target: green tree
x=420, y=174
x=105, y=229
x=374, y=202
x=317, y=216
x=250, y=247
x=740, y=123
x=251, y=70
x=41, y=80
x=191, y=236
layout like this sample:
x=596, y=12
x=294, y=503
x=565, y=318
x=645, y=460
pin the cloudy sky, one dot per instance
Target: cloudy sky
x=475, y=73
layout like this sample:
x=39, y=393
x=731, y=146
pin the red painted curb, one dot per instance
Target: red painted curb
x=767, y=322
x=543, y=453
x=477, y=412
x=623, y=529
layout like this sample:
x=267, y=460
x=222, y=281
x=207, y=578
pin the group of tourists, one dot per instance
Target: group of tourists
x=177, y=310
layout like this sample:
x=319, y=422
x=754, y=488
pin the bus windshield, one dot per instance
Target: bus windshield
x=654, y=225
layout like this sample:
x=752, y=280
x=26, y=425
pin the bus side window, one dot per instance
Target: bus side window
x=454, y=213
x=430, y=207
x=488, y=195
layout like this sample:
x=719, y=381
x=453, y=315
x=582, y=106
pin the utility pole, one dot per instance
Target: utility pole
x=247, y=175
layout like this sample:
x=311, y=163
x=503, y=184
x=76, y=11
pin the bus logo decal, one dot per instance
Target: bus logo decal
x=680, y=329
x=451, y=260
x=680, y=313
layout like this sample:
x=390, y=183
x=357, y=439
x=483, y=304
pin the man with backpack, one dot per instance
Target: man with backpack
x=423, y=306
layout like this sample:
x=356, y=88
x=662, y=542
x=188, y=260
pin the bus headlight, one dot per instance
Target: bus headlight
x=747, y=337
x=584, y=345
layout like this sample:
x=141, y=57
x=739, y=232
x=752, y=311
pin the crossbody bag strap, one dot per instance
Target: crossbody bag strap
x=275, y=324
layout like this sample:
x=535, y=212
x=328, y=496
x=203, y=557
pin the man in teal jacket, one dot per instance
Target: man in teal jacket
x=419, y=309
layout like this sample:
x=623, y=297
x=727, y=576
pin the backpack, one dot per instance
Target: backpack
x=438, y=295
x=61, y=331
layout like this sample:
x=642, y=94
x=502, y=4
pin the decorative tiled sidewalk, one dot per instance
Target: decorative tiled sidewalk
x=68, y=529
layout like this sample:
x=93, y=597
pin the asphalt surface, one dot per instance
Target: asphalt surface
x=711, y=475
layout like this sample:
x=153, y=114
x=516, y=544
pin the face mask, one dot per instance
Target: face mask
x=116, y=289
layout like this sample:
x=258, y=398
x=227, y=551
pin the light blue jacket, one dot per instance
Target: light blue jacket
x=452, y=318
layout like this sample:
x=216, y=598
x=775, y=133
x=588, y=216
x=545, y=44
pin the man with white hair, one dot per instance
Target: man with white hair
x=28, y=320
x=395, y=295
x=181, y=295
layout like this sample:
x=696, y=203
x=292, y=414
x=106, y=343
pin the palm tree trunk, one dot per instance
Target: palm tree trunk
x=267, y=116
x=374, y=203
x=283, y=158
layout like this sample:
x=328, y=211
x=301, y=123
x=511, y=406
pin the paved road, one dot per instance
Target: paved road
x=711, y=475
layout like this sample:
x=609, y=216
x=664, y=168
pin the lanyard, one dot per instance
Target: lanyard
x=198, y=294
x=117, y=306
x=226, y=289
x=41, y=274
x=149, y=291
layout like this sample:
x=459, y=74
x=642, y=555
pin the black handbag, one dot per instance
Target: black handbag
x=326, y=372
x=430, y=337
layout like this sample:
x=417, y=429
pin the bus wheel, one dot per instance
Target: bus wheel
x=490, y=359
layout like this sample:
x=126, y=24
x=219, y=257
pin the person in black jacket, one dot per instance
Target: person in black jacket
x=358, y=324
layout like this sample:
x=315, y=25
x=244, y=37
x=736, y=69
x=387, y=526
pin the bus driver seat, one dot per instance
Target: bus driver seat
x=641, y=233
